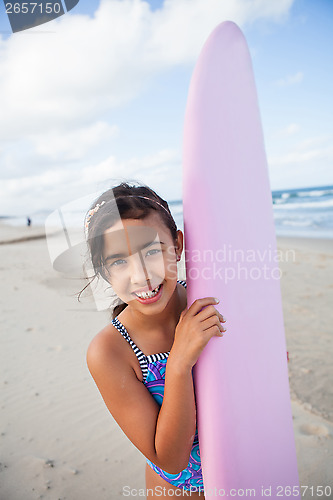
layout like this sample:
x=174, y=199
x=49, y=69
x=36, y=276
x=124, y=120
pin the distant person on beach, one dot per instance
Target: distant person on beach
x=135, y=245
x=28, y=221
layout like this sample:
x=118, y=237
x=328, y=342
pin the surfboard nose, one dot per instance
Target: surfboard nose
x=226, y=34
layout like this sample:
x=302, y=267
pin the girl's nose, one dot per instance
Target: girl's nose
x=138, y=269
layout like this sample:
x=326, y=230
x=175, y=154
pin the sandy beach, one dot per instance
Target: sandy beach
x=58, y=440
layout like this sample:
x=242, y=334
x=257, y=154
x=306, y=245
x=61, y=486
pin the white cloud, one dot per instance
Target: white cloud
x=311, y=142
x=74, y=144
x=164, y=157
x=291, y=79
x=54, y=187
x=58, y=90
x=103, y=171
x=182, y=26
x=87, y=65
x=289, y=130
x=304, y=156
x=303, y=164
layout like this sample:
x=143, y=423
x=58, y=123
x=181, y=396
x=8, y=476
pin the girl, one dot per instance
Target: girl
x=142, y=361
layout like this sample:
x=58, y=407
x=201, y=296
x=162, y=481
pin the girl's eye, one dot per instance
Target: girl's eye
x=117, y=262
x=153, y=252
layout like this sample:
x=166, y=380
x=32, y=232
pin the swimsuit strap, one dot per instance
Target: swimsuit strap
x=142, y=358
x=182, y=282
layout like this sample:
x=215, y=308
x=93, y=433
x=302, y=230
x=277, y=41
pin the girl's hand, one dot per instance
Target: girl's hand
x=196, y=326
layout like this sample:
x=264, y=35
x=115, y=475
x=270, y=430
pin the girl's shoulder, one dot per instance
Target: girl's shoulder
x=108, y=348
x=105, y=339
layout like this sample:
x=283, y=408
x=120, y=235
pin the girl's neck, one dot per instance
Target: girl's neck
x=164, y=322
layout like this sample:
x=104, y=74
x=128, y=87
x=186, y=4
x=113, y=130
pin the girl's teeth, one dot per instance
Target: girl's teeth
x=148, y=295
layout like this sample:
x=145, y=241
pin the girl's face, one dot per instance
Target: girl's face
x=140, y=262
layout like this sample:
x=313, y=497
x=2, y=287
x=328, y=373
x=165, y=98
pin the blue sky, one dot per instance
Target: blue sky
x=99, y=95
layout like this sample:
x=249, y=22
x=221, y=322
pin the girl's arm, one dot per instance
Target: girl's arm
x=163, y=434
x=176, y=422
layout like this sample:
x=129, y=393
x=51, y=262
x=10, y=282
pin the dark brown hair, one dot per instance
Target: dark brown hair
x=129, y=202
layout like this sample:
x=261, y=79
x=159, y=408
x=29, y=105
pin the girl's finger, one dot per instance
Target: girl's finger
x=211, y=321
x=210, y=311
x=213, y=331
x=200, y=303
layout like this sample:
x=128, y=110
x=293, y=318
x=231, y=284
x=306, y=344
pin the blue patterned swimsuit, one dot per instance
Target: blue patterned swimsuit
x=153, y=371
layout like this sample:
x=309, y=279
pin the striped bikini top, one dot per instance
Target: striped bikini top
x=147, y=363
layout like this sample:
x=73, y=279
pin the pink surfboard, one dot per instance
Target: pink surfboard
x=244, y=410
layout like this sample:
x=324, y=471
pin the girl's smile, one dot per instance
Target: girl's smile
x=149, y=297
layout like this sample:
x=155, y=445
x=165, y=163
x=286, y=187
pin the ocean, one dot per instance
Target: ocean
x=304, y=212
